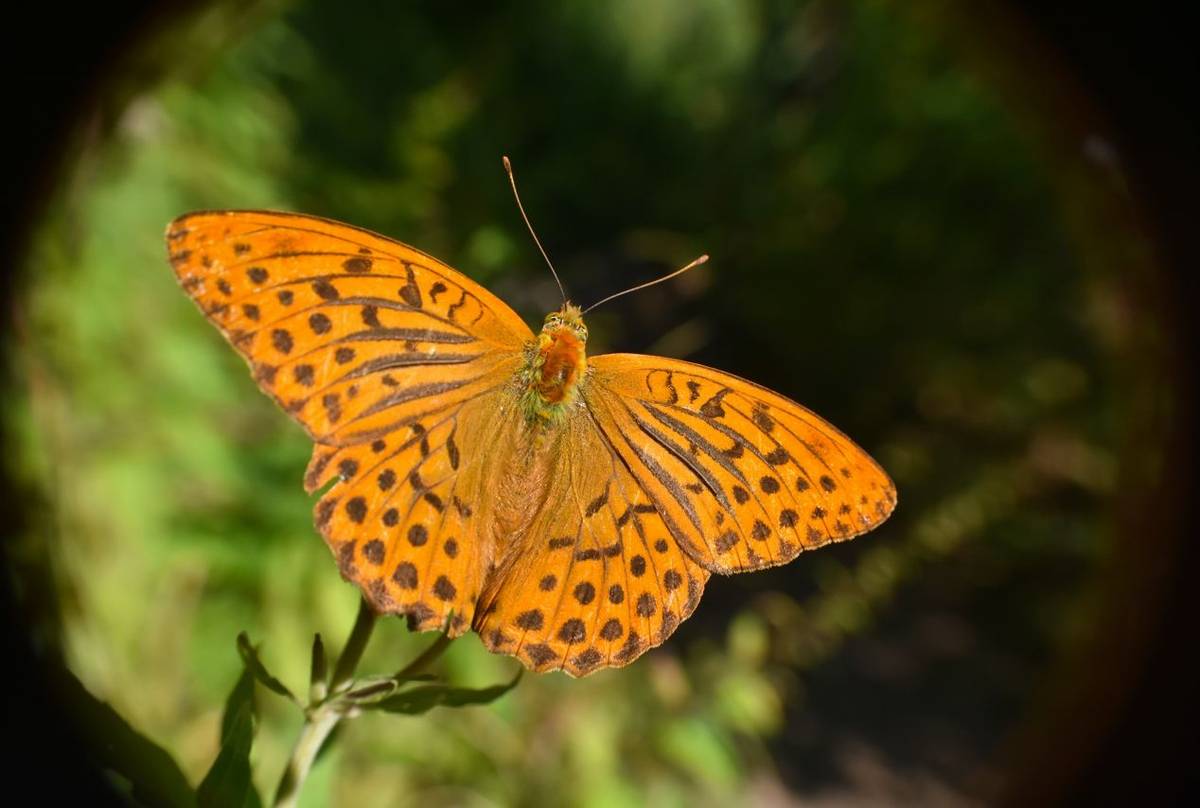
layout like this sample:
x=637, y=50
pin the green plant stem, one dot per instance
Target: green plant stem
x=427, y=656
x=323, y=716
x=364, y=624
x=316, y=731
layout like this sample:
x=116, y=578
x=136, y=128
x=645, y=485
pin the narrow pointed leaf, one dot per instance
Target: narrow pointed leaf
x=228, y=781
x=242, y=693
x=254, y=665
x=416, y=677
x=372, y=691
x=419, y=700
x=318, y=680
x=375, y=688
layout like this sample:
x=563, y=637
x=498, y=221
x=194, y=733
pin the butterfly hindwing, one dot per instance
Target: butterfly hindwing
x=407, y=517
x=744, y=477
x=597, y=580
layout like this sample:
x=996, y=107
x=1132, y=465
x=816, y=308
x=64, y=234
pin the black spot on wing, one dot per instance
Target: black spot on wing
x=410, y=293
x=712, y=408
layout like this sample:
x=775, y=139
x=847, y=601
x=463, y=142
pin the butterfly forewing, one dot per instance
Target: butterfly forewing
x=744, y=477
x=346, y=329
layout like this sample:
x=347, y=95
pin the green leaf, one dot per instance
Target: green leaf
x=320, y=664
x=366, y=692
x=242, y=693
x=154, y=776
x=371, y=691
x=423, y=699
x=228, y=782
x=253, y=664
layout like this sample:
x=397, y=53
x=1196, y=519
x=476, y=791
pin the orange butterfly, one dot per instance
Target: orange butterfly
x=568, y=508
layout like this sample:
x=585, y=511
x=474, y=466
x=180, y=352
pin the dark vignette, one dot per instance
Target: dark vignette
x=1139, y=742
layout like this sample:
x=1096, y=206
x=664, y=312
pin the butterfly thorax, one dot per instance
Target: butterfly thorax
x=555, y=365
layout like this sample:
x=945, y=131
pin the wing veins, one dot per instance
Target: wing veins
x=697, y=439
x=363, y=437
x=415, y=392
x=702, y=473
x=615, y=480
x=356, y=300
x=375, y=251
x=663, y=512
x=665, y=478
x=795, y=410
x=413, y=441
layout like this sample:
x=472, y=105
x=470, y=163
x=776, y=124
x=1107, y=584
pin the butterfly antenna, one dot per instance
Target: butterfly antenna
x=692, y=265
x=513, y=182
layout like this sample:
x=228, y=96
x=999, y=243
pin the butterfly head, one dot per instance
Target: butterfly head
x=569, y=319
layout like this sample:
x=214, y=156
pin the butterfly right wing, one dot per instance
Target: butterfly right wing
x=395, y=364
x=595, y=580
x=744, y=477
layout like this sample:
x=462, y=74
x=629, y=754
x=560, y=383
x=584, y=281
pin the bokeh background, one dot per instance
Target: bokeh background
x=915, y=230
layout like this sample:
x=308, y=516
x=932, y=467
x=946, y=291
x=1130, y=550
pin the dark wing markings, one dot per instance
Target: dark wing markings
x=702, y=473
x=392, y=361
x=661, y=475
x=695, y=438
x=417, y=391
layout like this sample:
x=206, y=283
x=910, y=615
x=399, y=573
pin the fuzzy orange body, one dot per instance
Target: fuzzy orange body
x=555, y=366
x=563, y=362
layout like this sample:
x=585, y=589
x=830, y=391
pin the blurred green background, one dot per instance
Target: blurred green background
x=897, y=242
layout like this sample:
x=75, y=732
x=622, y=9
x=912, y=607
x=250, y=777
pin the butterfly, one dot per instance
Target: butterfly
x=568, y=508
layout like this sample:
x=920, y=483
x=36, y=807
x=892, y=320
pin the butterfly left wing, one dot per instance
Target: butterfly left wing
x=743, y=477
x=397, y=366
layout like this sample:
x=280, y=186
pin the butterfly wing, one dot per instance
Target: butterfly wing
x=668, y=472
x=596, y=579
x=395, y=364
x=743, y=478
